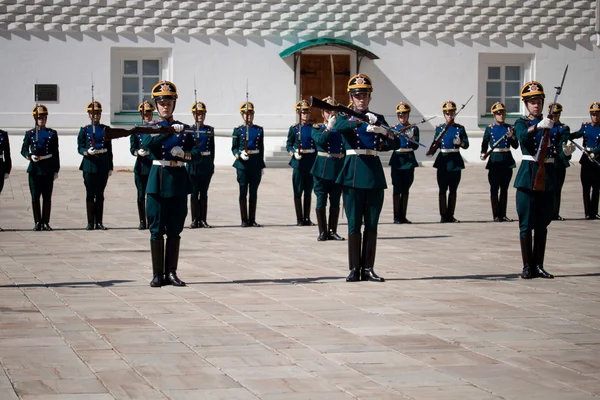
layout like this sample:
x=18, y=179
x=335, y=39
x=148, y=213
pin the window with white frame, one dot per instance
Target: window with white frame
x=138, y=78
x=504, y=84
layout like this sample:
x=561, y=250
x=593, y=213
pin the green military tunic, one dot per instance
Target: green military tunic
x=300, y=140
x=327, y=165
x=96, y=167
x=44, y=144
x=143, y=164
x=249, y=173
x=561, y=163
x=403, y=162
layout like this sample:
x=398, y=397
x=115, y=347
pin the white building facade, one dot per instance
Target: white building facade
x=419, y=51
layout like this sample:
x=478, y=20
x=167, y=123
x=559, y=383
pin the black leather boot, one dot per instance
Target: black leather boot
x=354, y=244
x=141, y=204
x=443, y=207
x=100, y=214
x=451, y=208
x=37, y=215
x=46, y=210
x=556, y=216
x=539, y=250
x=403, y=208
x=495, y=214
x=307, y=201
x=321, y=221
x=334, y=215
x=594, y=204
x=194, y=209
x=203, y=213
x=502, y=206
x=396, y=205
x=252, y=213
x=298, y=208
x=369, y=250
x=527, y=256
x=244, y=212
x=587, y=205
x=157, y=251
x=90, y=208
x=171, y=260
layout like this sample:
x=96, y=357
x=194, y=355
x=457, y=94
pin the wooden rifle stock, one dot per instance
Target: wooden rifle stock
x=115, y=133
x=436, y=143
x=539, y=184
x=320, y=104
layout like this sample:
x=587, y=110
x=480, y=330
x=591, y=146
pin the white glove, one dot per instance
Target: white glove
x=297, y=155
x=109, y=172
x=244, y=156
x=55, y=175
x=331, y=122
x=177, y=152
x=456, y=141
x=482, y=156
x=546, y=123
x=178, y=127
x=410, y=132
x=376, y=129
x=5, y=176
x=568, y=148
x=91, y=151
x=35, y=158
x=372, y=118
x=142, y=153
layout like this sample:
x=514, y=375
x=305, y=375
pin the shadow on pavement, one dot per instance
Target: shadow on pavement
x=67, y=284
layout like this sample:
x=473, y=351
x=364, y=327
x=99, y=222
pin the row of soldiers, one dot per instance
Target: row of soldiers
x=337, y=156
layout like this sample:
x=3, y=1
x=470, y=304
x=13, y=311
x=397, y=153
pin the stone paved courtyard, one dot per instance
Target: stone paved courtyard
x=267, y=313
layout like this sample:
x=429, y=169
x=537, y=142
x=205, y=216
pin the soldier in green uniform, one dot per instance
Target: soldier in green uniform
x=325, y=170
x=143, y=163
x=5, y=160
x=168, y=185
x=590, y=171
x=247, y=146
x=403, y=163
x=501, y=162
x=201, y=172
x=535, y=204
x=301, y=148
x=562, y=157
x=362, y=178
x=96, y=165
x=40, y=147
x=449, y=162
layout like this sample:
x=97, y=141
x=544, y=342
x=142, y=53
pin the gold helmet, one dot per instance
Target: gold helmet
x=497, y=107
x=360, y=83
x=96, y=106
x=329, y=100
x=302, y=105
x=246, y=106
x=145, y=106
x=198, y=107
x=595, y=106
x=164, y=90
x=39, y=109
x=402, y=107
x=532, y=89
x=449, y=106
x=557, y=108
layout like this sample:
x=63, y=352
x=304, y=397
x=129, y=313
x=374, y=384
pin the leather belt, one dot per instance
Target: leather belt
x=501, y=150
x=325, y=154
x=205, y=153
x=306, y=151
x=531, y=158
x=252, y=151
x=362, y=152
x=449, y=150
x=404, y=150
x=167, y=163
x=99, y=151
x=47, y=156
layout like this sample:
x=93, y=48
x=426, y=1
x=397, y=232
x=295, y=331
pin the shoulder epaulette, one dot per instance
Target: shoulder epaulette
x=490, y=125
x=439, y=126
x=258, y=127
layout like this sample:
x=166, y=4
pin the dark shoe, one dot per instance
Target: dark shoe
x=334, y=215
x=100, y=214
x=254, y=224
x=589, y=217
x=157, y=250
x=37, y=227
x=497, y=219
x=369, y=249
x=252, y=213
x=321, y=221
x=451, y=219
x=396, y=205
x=46, y=210
x=323, y=236
x=243, y=212
x=527, y=273
x=354, y=275
x=502, y=204
x=90, y=208
x=141, y=204
x=203, y=214
x=541, y=272
x=334, y=236
x=171, y=261
x=46, y=227
x=204, y=224
x=443, y=207
x=403, y=208
x=527, y=256
x=539, y=251
x=451, y=208
x=587, y=207
x=89, y=227
x=101, y=227
x=306, y=211
x=194, y=224
x=369, y=275
x=194, y=210
x=37, y=215
x=298, y=209
x=506, y=219
x=142, y=226
x=308, y=222
x=495, y=213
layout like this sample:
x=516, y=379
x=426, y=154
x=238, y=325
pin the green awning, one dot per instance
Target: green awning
x=327, y=42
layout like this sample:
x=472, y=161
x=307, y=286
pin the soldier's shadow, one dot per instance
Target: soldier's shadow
x=68, y=284
x=282, y=281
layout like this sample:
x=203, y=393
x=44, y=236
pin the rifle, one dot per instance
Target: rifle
x=246, y=121
x=93, y=116
x=497, y=142
x=37, y=128
x=587, y=153
x=406, y=128
x=436, y=143
x=320, y=104
x=539, y=183
x=116, y=133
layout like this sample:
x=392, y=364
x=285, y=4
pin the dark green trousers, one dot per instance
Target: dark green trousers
x=535, y=210
x=402, y=180
x=325, y=188
x=448, y=180
x=166, y=215
x=302, y=182
x=249, y=180
x=499, y=178
x=40, y=185
x=95, y=185
x=362, y=205
x=141, y=181
x=200, y=184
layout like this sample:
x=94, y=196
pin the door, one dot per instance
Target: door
x=315, y=79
